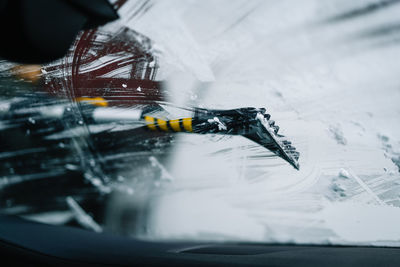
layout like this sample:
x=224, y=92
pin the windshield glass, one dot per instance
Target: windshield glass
x=154, y=126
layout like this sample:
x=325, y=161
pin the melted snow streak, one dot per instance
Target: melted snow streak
x=54, y=158
x=327, y=71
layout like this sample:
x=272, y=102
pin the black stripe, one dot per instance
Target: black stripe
x=169, y=127
x=181, y=125
x=156, y=125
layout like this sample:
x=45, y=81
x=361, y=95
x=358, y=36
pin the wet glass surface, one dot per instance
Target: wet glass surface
x=77, y=149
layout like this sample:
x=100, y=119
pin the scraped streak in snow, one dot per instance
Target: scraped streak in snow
x=50, y=157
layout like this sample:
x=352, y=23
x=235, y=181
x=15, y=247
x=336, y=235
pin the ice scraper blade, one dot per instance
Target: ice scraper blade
x=264, y=132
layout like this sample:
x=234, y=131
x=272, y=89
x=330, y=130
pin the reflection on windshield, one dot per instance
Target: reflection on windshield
x=146, y=127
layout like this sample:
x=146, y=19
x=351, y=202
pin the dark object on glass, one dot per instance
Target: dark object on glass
x=41, y=31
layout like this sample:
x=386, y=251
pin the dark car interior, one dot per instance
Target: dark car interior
x=33, y=244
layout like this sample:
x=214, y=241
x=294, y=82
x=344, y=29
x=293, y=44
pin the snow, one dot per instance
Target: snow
x=343, y=173
x=82, y=217
x=331, y=85
x=203, y=215
x=358, y=222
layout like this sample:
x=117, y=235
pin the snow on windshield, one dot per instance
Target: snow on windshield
x=327, y=72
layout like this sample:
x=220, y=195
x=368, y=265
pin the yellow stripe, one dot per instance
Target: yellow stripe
x=150, y=123
x=187, y=124
x=97, y=101
x=175, y=125
x=162, y=124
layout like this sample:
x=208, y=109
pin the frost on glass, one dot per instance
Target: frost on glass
x=77, y=148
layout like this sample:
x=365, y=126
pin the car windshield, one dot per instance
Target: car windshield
x=254, y=121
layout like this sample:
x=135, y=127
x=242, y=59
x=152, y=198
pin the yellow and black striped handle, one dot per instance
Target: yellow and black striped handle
x=178, y=125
